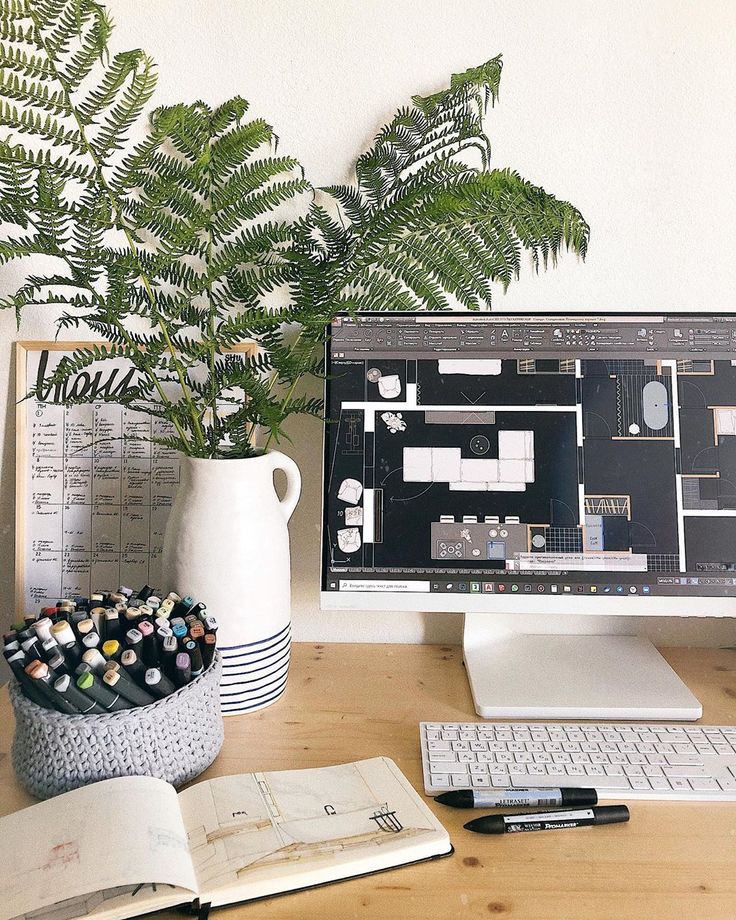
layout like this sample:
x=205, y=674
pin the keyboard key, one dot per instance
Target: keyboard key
x=679, y=784
x=501, y=781
x=438, y=745
x=439, y=756
x=480, y=782
x=684, y=760
x=440, y=779
x=660, y=783
x=639, y=782
x=614, y=769
x=460, y=781
x=480, y=769
x=455, y=768
x=684, y=771
x=704, y=784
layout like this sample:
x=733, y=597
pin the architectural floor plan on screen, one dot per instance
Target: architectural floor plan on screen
x=609, y=465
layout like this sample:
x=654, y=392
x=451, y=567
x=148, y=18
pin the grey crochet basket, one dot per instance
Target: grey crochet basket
x=175, y=739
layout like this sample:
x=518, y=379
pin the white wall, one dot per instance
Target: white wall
x=625, y=108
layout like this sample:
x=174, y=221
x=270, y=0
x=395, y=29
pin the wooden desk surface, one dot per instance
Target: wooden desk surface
x=347, y=702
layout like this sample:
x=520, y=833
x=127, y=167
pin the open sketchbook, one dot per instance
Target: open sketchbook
x=128, y=846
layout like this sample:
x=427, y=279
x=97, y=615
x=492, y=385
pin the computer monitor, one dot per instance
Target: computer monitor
x=544, y=464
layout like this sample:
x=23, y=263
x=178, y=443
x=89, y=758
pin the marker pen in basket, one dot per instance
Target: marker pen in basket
x=196, y=630
x=192, y=649
x=17, y=662
x=65, y=636
x=11, y=645
x=149, y=651
x=95, y=659
x=112, y=623
x=130, y=616
x=154, y=602
x=179, y=628
x=125, y=591
x=32, y=648
x=92, y=640
x=169, y=649
x=207, y=647
x=44, y=679
x=133, y=666
x=85, y=627
x=102, y=694
x=42, y=629
x=146, y=612
x=134, y=640
x=198, y=610
x=67, y=689
x=210, y=624
x=58, y=663
x=166, y=607
x=72, y=653
x=119, y=682
x=157, y=683
x=183, y=669
x=112, y=649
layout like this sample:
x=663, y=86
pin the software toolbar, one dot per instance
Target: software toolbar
x=423, y=336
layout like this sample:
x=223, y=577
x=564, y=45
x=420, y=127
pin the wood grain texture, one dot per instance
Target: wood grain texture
x=346, y=702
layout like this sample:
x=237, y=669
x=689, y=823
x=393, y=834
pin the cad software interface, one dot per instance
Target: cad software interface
x=551, y=454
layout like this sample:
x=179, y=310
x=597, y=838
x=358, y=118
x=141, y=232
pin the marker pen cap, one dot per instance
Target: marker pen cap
x=125, y=591
x=83, y=668
x=134, y=637
x=131, y=614
x=166, y=607
x=42, y=628
x=94, y=659
x=12, y=645
x=163, y=632
x=196, y=630
x=173, y=596
x=170, y=644
x=145, y=592
x=145, y=611
x=48, y=611
x=210, y=624
x=86, y=626
x=97, y=611
x=207, y=647
x=112, y=649
x=179, y=630
x=116, y=598
x=78, y=616
x=182, y=669
x=57, y=663
x=63, y=633
x=135, y=602
x=121, y=607
x=91, y=640
x=198, y=610
x=146, y=628
x=154, y=602
x=162, y=621
x=191, y=618
x=97, y=598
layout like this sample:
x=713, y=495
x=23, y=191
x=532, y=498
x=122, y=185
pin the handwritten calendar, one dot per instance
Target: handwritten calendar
x=93, y=494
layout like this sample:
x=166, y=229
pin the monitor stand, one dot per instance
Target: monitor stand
x=516, y=676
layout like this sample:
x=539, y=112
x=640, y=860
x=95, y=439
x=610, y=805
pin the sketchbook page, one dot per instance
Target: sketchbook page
x=264, y=833
x=124, y=833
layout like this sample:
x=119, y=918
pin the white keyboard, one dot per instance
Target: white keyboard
x=621, y=760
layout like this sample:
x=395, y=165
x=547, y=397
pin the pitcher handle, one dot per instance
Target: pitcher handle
x=280, y=461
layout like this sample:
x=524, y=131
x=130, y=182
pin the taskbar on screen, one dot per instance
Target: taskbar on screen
x=651, y=583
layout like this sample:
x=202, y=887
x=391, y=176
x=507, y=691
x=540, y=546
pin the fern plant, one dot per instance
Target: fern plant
x=203, y=237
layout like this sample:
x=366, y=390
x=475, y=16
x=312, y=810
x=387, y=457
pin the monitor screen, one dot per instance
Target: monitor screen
x=488, y=454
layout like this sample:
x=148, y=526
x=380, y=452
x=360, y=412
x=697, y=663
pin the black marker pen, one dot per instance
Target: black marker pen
x=66, y=688
x=102, y=694
x=515, y=798
x=158, y=684
x=549, y=820
x=119, y=682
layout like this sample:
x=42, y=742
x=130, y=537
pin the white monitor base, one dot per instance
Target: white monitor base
x=514, y=676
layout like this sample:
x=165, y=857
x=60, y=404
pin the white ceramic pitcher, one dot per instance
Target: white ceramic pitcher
x=227, y=544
